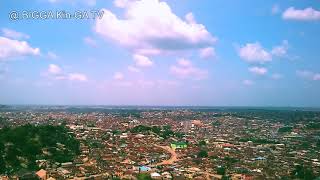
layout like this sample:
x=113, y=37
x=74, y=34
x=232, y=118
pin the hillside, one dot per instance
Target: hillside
x=21, y=146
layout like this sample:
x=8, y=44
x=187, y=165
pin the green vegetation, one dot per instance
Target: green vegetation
x=216, y=123
x=21, y=146
x=116, y=132
x=314, y=126
x=142, y=128
x=202, y=143
x=179, y=135
x=116, y=178
x=285, y=129
x=221, y=170
x=95, y=144
x=303, y=172
x=231, y=160
x=3, y=122
x=202, y=154
x=144, y=177
x=2, y=119
x=164, y=131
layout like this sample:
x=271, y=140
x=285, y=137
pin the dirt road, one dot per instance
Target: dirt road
x=172, y=159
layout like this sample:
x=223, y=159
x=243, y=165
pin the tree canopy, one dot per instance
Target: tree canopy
x=21, y=146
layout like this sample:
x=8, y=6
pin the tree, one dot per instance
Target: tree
x=202, y=143
x=303, y=172
x=285, y=129
x=224, y=177
x=144, y=177
x=203, y=154
x=156, y=129
x=221, y=170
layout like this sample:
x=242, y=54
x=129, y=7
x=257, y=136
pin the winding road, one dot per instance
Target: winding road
x=172, y=159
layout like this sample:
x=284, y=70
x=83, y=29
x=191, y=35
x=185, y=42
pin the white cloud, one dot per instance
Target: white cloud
x=54, y=69
x=207, y=52
x=142, y=61
x=306, y=74
x=118, y=76
x=14, y=49
x=89, y=41
x=248, y=82
x=307, y=14
x=190, y=18
x=280, y=50
x=254, y=53
x=258, y=70
x=56, y=72
x=9, y=33
x=133, y=69
x=186, y=70
x=150, y=27
x=77, y=77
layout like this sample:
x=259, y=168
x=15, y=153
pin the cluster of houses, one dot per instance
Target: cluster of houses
x=233, y=147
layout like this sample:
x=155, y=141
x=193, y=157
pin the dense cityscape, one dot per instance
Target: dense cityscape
x=159, y=90
x=63, y=142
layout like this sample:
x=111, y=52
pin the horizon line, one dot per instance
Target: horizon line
x=135, y=105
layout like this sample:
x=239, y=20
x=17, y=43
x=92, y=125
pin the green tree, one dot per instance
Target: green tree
x=303, y=172
x=202, y=154
x=202, y=143
x=221, y=170
x=285, y=129
x=144, y=177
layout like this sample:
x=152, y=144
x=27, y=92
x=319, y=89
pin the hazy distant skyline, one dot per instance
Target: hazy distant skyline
x=152, y=52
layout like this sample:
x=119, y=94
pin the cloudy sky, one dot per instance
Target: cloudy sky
x=156, y=52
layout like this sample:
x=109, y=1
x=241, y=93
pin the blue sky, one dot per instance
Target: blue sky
x=152, y=52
